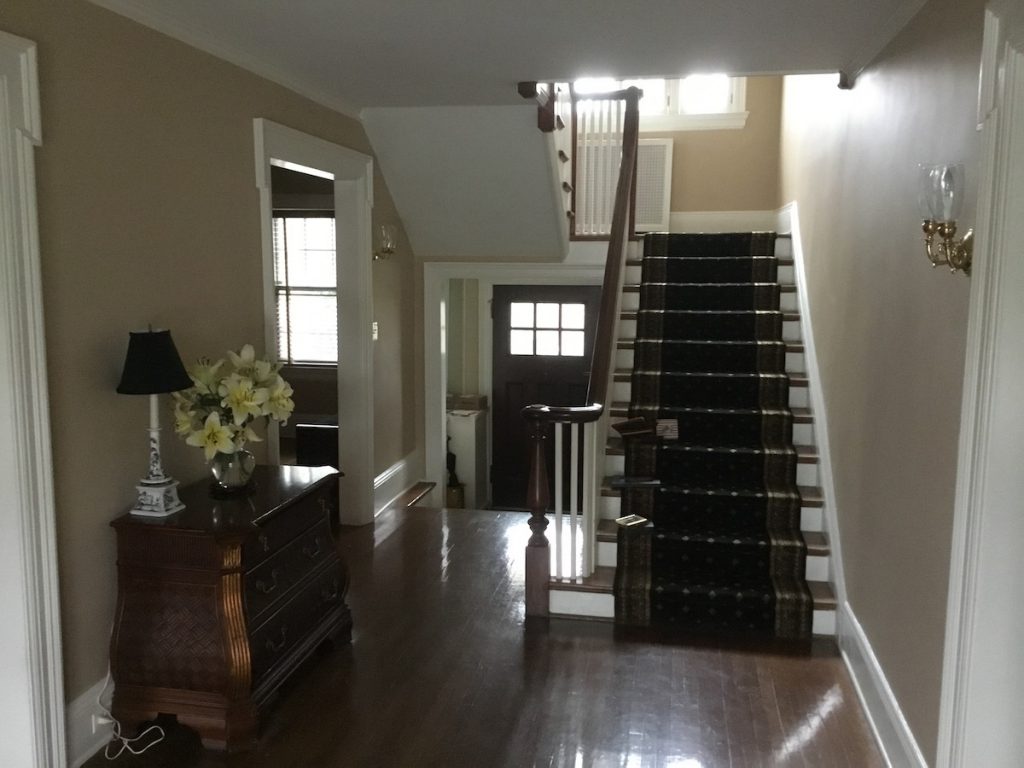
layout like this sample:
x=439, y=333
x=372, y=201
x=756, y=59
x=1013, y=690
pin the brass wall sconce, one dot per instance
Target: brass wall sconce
x=940, y=195
x=386, y=239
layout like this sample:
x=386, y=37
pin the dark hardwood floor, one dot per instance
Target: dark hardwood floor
x=443, y=672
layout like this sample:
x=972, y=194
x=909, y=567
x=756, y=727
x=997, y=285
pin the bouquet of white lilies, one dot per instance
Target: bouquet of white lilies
x=217, y=413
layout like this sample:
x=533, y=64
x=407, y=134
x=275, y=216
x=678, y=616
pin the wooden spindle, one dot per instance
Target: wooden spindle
x=538, y=551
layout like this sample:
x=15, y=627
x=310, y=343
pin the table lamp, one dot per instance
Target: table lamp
x=153, y=367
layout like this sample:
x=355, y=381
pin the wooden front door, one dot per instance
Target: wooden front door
x=543, y=346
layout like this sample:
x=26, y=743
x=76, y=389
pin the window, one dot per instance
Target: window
x=546, y=328
x=695, y=102
x=306, y=289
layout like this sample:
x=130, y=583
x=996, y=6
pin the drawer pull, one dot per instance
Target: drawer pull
x=264, y=542
x=279, y=646
x=265, y=588
x=312, y=549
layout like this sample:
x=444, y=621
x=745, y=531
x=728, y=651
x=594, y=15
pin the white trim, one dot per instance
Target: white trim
x=876, y=697
x=395, y=480
x=983, y=671
x=722, y=221
x=353, y=203
x=789, y=223
x=172, y=26
x=82, y=742
x=435, y=365
x=32, y=704
x=720, y=121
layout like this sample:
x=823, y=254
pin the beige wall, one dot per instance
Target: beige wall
x=730, y=170
x=149, y=214
x=890, y=330
x=463, y=337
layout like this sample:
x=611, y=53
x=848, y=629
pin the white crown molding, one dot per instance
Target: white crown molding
x=173, y=27
x=870, y=48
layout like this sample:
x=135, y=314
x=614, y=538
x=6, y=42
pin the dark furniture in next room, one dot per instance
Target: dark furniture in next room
x=219, y=603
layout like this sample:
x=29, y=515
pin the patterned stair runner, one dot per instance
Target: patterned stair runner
x=723, y=551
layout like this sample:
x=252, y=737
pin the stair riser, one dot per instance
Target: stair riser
x=624, y=359
x=798, y=398
x=723, y=326
x=806, y=474
x=811, y=518
x=790, y=330
x=707, y=296
x=601, y=605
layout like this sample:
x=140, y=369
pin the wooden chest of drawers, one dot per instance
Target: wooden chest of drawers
x=219, y=603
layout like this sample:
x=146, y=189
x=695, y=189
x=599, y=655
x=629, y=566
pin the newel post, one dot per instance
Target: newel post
x=538, y=553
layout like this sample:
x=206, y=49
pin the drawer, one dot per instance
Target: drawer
x=281, y=529
x=289, y=626
x=273, y=578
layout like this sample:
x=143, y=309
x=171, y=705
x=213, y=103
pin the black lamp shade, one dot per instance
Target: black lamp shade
x=152, y=365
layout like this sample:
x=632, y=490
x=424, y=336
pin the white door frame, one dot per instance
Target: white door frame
x=32, y=697
x=353, y=204
x=435, y=354
x=983, y=670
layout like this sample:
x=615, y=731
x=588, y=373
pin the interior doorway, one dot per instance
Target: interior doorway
x=543, y=341
x=351, y=174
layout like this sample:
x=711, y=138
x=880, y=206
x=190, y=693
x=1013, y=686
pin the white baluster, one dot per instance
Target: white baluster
x=559, y=566
x=574, y=509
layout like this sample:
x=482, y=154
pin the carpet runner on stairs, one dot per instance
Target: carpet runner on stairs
x=723, y=551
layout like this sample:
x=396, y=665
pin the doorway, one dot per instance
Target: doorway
x=351, y=173
x=543, y=341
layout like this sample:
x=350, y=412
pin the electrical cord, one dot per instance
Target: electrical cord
x=126, y=744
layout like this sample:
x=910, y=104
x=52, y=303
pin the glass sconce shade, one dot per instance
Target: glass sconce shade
x=387, y=238
x=940, y=191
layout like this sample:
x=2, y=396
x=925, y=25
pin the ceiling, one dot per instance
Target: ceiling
x=402, y=53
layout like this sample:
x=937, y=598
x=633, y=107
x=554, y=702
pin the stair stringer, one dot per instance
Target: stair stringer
x=789, y=222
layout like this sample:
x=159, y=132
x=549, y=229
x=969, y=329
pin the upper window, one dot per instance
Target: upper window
x=696, y=102
x=306, y=289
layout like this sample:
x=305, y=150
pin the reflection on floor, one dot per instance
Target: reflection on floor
x=443, y=672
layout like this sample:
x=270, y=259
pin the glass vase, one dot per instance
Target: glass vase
x=232, y=471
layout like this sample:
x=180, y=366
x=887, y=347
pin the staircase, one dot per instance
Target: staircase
x=594, y=596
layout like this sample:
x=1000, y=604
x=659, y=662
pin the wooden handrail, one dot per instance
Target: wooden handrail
x=540, y=417
x=604, y=344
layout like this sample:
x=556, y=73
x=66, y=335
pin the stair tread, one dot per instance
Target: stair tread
x=805, y=454
x=810, y=496
x=624, y=406
x=791, y=346
x=787, y=316
x=783, y=287
x=796, y=378
x=817, y=544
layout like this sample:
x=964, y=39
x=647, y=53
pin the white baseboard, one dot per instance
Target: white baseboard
x=82, y=742
x=722, y=221
x=880, y=706
x=394, y=480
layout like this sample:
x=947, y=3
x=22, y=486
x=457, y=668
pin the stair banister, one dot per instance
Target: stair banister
x=593, y=415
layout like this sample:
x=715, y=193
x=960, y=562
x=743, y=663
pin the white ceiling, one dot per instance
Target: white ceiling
x=379, y=53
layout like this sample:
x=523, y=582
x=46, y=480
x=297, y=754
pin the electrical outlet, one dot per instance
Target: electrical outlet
x=99, y=721
x=376, y=332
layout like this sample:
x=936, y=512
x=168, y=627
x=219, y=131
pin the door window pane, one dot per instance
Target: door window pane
x=547, y=315
x=572, y=343
x=573, y=315
x=521, y=342
x=521, y=314
x=547, y=342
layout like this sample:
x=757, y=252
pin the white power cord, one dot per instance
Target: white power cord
x=126, y=744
